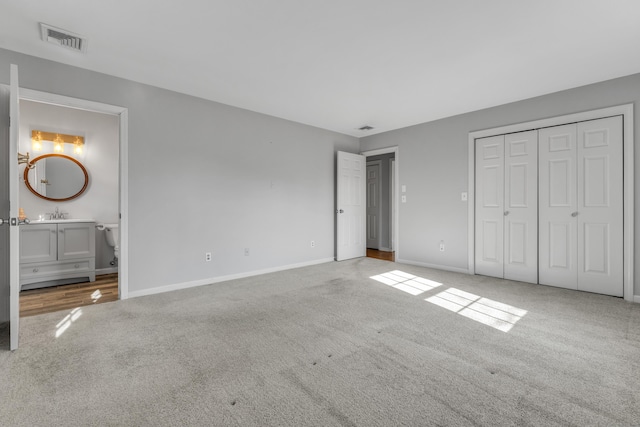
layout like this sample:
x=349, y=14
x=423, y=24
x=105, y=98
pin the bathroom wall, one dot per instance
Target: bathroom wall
x=100, y=157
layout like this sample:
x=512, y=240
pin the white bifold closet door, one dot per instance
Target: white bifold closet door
x=506, y=206
x=581, y=206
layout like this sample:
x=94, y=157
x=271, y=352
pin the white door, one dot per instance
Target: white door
x=558, y=206
x=350, y=211
x=521, y=207
x=490, y=206
x=506, y=206
x=373, y=205
x=599, y=219
x=14, y=235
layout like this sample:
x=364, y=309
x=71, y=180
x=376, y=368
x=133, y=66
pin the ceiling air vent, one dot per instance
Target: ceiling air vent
x=366, y=128
x=63, y=38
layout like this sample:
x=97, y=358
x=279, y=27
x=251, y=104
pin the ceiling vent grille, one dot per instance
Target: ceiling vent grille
x=365, y=128
x=63, y=38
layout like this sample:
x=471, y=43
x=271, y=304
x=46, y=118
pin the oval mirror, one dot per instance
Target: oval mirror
x=56, y=177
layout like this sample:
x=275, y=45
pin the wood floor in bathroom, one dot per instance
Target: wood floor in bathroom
x=55, y=298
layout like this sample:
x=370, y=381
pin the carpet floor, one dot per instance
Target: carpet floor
x=357, y=343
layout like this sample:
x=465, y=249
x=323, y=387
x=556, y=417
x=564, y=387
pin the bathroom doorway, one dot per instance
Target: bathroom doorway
x=104, y=129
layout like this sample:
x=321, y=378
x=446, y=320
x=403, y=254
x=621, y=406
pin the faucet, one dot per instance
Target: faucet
x=57, y=214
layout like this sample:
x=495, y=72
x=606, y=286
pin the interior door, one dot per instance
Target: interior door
x=489, y=250
x=373, y=205
x=600, y=200
x=521, y=206
x=558, y=265
x=350, y=211
x=14, y=235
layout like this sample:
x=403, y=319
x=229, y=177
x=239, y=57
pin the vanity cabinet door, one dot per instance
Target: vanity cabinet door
x=76, y=240
x=38, y=243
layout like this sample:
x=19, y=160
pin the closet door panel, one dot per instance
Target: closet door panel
x=489, y=206
x=600, y=201
x=521, y=207
x=557, y=207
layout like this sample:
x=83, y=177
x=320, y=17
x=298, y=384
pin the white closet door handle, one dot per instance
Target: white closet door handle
x=574, y=214
x=506, y=213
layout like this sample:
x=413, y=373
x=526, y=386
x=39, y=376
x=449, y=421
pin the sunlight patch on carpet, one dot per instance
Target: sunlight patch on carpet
x=484, y=310
x=64, y=324
x=406, y=282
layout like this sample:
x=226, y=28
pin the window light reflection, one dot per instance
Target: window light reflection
x=64, y=324
x=406, y=282
x=484, y=310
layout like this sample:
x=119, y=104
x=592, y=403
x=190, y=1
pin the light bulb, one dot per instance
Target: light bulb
x=57, y=146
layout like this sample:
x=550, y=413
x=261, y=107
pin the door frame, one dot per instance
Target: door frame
x=123, y=123
x=395, y=223
x=626, y=111
x=379, y=209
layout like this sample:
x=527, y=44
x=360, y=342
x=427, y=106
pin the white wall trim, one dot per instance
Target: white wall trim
x=123, y=114
x=212, y=280
x=626, y=111
x=396, y=219
x=636, y=298
x=434, y=266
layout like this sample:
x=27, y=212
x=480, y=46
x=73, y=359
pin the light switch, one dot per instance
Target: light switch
x=404, y=188
x=463, y=196
x=404, y=199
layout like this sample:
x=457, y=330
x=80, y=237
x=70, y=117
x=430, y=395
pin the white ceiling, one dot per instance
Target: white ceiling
x=341, y=64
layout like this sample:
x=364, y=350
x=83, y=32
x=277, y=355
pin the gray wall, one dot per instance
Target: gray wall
x=385, y=196
x=433, y=164
x=206, y=177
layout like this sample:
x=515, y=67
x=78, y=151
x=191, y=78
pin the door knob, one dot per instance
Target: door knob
x=506, y=213
x=574, y=214
x=4, y=221
x=24, y=221
x=339, y=211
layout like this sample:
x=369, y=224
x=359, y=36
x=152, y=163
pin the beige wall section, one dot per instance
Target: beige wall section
x=207, y=177
x=100, y=158
x=434, y=167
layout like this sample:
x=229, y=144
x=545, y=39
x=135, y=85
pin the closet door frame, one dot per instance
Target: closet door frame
x=626, y=111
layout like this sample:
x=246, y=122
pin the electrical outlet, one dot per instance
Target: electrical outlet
x=313, y=244
x=404, y=199
x=207, y=256
x=246, y=251
x=463, y=196
x=441, y=245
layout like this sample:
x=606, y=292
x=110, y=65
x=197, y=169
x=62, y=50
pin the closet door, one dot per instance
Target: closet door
x=600, y=200
x=489, y=206
x=521, y=207
x=558, y=207
x=581, y=201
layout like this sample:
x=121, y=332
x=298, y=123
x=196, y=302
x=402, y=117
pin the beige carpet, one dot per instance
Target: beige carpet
x=329, y=346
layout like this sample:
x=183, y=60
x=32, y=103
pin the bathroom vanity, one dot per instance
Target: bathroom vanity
x=56, y=252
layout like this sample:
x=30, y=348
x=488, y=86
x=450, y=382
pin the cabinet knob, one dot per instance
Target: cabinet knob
x=77, y=266
x=35, y=270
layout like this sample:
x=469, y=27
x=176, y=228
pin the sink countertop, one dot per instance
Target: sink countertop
x=57, y=221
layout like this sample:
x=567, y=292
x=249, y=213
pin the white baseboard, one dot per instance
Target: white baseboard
x=212, y=280
x=435, y=266
x=636, y=299
x=385, y=249
x=109, y=270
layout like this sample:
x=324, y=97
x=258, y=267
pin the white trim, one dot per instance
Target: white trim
x=212, y=280
x=626, y=111
x=385, y=249
x=636, y=298
x=434, y=266
x=396, y=220
x=123, y=113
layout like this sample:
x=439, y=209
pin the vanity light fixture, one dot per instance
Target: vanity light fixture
x=38, y=137
x=57, y=144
